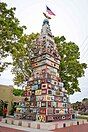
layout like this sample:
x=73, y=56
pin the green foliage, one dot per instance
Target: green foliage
x=76, y=105
x=81, y=107
x=21, y=59
x=10, y=33
x=18, y=92
x=85, y=100
x=70, y=67
x=13, y=109
x=1, y=108
x=2, y=105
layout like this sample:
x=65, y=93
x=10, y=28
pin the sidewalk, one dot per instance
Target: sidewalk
x=75, y=128
x=25, y=129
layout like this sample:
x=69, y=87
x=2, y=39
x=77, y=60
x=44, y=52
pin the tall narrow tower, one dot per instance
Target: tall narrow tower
x=47, y=96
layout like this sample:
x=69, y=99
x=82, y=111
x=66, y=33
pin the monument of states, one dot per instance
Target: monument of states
x=47, y=99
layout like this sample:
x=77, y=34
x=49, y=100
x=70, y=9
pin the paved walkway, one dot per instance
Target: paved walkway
x=13, y=128
x=6, y=129
x=75, y=128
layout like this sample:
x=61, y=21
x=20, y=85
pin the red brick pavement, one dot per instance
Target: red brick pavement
x=6, y=129
x=74, y=128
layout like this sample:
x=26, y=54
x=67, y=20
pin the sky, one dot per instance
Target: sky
x=71, y=20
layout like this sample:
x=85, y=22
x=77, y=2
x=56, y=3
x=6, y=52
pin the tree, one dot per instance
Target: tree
x=10, y=33
x=76, y=106
x=85, y=100
x=3, y=104
x=1, y=107
x=70, y=67
x=81, y=107
x=18, y=92
x=21, y=59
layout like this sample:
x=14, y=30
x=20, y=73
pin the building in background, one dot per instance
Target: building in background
x=6, y=95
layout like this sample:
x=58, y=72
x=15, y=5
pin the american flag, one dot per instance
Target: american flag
x=49, y=11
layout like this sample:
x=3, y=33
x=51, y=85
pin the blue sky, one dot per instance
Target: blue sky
x=71, y=20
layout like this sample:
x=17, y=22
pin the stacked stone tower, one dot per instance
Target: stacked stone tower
x=47, y=96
